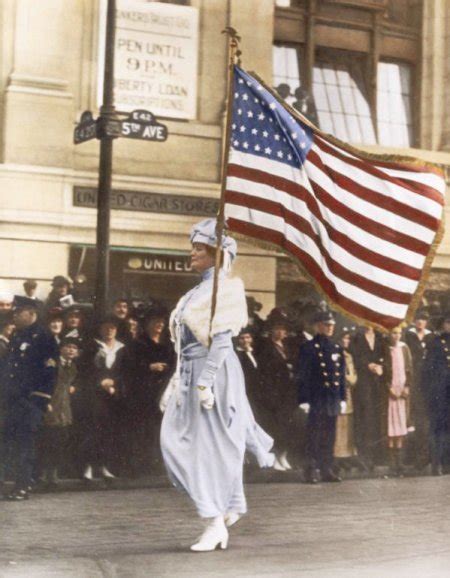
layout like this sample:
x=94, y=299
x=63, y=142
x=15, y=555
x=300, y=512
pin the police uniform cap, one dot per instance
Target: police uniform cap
x=20, y=302
x=325, y=317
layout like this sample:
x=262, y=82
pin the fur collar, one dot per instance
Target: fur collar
x=231, y=311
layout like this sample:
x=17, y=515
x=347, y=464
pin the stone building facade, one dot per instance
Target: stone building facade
x=49, y=70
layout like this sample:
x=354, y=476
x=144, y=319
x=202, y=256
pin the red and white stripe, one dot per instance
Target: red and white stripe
x=363, y=230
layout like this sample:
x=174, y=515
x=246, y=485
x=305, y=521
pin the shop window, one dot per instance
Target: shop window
x=341, y=100
x=395, y=125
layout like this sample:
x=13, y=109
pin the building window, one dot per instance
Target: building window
x=286, y=71
x=341, y=100
x=395, y=125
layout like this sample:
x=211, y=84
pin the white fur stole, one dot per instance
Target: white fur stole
x=231, y=311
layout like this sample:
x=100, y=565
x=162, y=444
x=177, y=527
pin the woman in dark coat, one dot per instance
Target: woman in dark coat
x=104, y=400
x=372, y=362
x=156, y=363
x=279, y=395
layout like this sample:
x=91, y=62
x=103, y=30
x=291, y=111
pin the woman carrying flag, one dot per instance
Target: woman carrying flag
x=208, y=422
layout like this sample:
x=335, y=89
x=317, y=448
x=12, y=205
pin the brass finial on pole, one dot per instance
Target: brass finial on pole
x=232, y=59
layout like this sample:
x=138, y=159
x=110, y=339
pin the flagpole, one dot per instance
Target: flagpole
x=233, y=55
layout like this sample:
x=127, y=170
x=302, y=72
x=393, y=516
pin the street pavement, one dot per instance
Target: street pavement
x=358, y=529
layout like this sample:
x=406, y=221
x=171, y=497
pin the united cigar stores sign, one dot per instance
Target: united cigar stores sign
x=157, y=263
x=149, y=202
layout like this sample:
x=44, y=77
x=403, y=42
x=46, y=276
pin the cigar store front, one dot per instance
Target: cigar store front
x=139, y=275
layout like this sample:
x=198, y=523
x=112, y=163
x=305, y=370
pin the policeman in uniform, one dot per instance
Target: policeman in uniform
x=418, y=338
x=29, y=381
x=436, y=391
x=321, y=394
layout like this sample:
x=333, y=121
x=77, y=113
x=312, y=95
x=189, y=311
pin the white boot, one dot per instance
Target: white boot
x=88, y=475
x=106, y=473
x=215, y=534
x=231, y=518
x=278, y=466
x=284, y=461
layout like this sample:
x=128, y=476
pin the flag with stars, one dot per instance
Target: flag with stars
x=363, y=227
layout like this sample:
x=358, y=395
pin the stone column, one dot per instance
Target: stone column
x=39, y=110
x=446, y=81
x=254, y=20
x=432, y=81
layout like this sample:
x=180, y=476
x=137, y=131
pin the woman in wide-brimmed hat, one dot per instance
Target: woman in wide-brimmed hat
x=277, y=357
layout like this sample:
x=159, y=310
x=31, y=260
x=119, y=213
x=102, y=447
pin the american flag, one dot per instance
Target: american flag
x=362, y=227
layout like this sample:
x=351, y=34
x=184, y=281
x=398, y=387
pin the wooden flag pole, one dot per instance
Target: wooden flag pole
x=233, y=55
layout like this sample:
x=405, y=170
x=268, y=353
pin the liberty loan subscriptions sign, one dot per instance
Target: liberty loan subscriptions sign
x=156, y=58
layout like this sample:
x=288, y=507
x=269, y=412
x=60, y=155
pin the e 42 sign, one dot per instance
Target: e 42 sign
x=142, y=124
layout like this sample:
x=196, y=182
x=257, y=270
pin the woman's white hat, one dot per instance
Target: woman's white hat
x=205, y=232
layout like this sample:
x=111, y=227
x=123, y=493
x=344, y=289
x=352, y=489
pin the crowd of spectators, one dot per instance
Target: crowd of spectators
x=103, y=419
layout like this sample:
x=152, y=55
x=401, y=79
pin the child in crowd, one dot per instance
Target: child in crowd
x=58, y=420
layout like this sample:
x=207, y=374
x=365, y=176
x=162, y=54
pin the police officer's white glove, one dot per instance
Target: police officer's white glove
x=343, y=406
x=305, y=407
x=206, y=397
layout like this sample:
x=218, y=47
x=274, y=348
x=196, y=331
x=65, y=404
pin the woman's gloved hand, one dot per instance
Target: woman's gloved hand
x=206, y=397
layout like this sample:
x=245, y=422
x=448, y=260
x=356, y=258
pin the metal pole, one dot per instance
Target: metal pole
x=107, y=112
x=232, y=54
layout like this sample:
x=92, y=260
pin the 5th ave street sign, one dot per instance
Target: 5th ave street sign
x=143, y=125
x=139, y=124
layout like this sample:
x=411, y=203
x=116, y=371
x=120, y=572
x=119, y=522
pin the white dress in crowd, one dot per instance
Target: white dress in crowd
x=203, y=450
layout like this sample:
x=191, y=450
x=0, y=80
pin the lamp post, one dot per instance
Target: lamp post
x=138, y=124
x=109, y=128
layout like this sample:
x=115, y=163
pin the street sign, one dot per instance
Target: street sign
x=86, y=129
x=142, y=124
x=139, y=124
